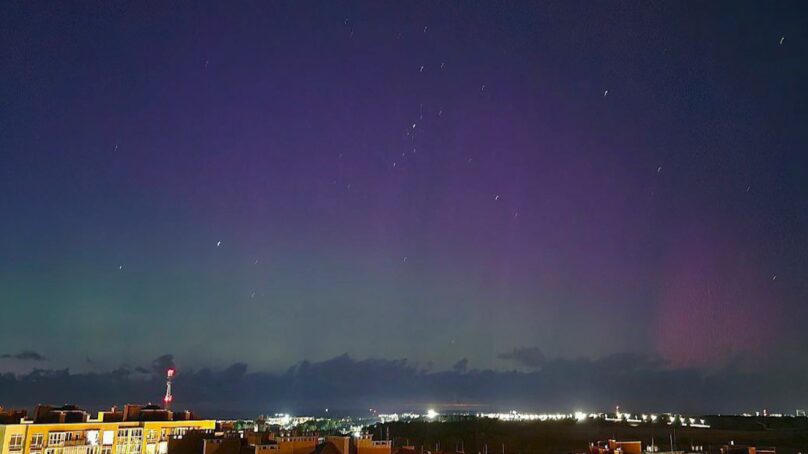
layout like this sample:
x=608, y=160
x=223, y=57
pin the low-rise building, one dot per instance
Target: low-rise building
x=250, y=442
x=616, y=447
x=737, y=449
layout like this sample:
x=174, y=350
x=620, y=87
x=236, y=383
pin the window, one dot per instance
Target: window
x=56, y=438
x=92, y=437
x=130, y=433
x=109, y=437
x=36, y=440
x=15, y=442
x=129, y=441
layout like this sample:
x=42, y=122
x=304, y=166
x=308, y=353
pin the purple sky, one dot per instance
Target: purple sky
x=272, y=182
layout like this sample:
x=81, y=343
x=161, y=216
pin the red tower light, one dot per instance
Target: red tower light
x=169, y=397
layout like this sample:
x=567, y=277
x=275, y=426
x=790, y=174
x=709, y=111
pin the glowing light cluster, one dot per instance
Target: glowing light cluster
x=287, y=421
x=517, y=416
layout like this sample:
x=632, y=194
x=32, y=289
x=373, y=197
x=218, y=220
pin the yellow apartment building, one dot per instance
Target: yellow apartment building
x=72, y=431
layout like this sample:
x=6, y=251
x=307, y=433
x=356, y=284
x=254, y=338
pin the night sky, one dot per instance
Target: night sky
x=549, y=188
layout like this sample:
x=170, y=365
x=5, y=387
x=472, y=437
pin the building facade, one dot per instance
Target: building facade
x=71, y=432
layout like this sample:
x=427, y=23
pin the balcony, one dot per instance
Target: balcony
x=75, y=442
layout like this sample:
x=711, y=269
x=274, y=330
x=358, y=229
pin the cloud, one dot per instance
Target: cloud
x=162, y=363
x=529, y=357
x=629, y=361
x=25, y=355
x=638, y=382
x=461, y=365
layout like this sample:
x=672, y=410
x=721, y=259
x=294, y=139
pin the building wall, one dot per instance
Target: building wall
x=222, y=446
x=9, y=433
x=157, y=433
x=296, y=445
x=630, y=447
x=366, y=445
x=343, y=444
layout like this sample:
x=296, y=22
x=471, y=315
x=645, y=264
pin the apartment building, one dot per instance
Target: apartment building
x=69, y=430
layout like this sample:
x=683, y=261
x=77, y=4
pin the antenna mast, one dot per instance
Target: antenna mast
x=168, y=398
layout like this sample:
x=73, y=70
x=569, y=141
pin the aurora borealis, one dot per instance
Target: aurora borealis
x=274, y=182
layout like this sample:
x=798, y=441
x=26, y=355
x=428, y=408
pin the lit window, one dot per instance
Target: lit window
x=92, y=437
x=56, y=438
x=36, y=440
x=15, y=442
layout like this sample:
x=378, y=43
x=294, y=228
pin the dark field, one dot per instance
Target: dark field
x=788, y=435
